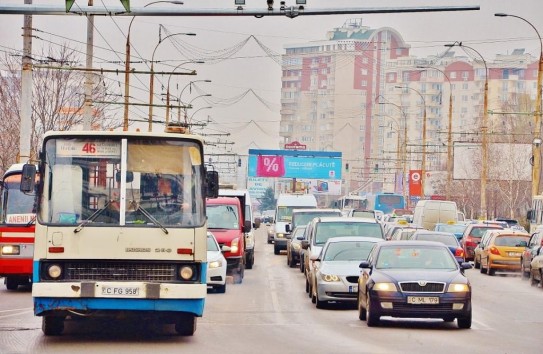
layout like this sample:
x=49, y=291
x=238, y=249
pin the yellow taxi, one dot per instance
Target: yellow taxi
x=501, y=250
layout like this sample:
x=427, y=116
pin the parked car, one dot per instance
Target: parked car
x=502, y=251
x=446, y=238
x=216, y=265
x=320, y=229
x=414, y=279
x=532, y=250
x=472, y=235
x=294, y=246
x=536, y=271
x=337, y=271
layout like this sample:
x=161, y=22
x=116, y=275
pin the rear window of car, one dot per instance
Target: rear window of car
x=448, y=240
x=348, y=251
x=510, y=241
x=326, y=230
x=479, y=231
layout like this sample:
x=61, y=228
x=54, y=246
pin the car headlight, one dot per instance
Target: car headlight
x=234, y=246
x=11, y=250
x=186, y=272
x=54, y=271
x=215, y=264
x=385, y=287
x=280, y=235
x=329, y=277
x=458, y=288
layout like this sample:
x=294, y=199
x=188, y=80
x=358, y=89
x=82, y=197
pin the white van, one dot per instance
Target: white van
x=286, y=203
x=429, y=212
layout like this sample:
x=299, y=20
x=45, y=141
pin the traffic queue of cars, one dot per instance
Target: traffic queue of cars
x=399, y=269
x=349, y=260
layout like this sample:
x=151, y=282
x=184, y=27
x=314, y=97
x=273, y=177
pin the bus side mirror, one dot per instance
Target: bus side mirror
x=212, y=184
x=28, y=178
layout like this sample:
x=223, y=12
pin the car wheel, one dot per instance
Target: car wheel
x=12, y=283
x=320, y=304
x=477, y=265
x=306, y=285
x=313, y=295
x=361, y=310
x=464, y=322
x=372, y=318
x=52, y=325
x=301, y=265
x=250, y=262
x=491, y=271
x=523, y=273
x=186, y=325
x=533, y=281
x=482, y=269
x=288, y=259
x=292, y=263
x=269, y=242
x=276, y=250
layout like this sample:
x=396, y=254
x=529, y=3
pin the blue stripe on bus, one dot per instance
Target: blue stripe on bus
x=42, y=304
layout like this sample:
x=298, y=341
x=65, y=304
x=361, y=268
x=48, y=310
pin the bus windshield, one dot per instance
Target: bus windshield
x=19, y=207
x=83, y=182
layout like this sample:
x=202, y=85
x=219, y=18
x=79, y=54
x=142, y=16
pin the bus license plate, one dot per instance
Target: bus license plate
x=120, y=291
x=423, y=300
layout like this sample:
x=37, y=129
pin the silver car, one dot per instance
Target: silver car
x=337, y=268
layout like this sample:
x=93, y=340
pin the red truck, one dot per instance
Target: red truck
x=226, y=220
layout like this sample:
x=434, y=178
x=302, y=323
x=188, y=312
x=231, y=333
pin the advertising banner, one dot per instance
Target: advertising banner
x=415, y=183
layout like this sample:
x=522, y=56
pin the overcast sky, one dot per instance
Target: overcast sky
x=253, y=121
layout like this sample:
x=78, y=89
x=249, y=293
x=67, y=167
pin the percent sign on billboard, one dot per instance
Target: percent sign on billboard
x=270, y=166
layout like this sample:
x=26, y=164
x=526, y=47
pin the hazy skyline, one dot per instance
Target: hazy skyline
x=252, y=121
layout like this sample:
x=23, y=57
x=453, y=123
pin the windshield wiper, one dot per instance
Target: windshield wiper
x=91, y=218
x=32, y=221
x=148, y=215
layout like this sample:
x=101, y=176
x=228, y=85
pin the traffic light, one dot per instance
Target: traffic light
x=347, y=167
x=376, y=168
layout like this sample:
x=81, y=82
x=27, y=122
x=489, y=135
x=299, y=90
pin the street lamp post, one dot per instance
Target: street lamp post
x=181, y=95
x=189, y=105
x=536, y=166
x=168, y=88
x=484, y=143
x=404, y=147
x=449, y=133
x=152, y=76
x=423, y=163
x=127, y=64
x=196, y=111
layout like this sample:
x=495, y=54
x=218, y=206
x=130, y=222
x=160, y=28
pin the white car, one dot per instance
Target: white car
x=216, y=265
x=337, y=268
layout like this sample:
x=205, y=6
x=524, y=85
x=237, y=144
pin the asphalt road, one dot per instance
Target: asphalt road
x=271, y=313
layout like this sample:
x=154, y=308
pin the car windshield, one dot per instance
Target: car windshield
x=299, y=231
x=411, y=257
x=222, y=217
x=348, y=251
x=510, y=241
x=326, y=230
x=446, y=239
x=211, y=244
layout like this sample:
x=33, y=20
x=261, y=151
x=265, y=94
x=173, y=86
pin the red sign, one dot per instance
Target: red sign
x=270, y=166
x=295, y=145
x=415, y=183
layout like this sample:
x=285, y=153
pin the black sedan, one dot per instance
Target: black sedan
x=413, y=279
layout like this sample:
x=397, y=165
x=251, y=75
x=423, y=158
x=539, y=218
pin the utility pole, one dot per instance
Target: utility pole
x=89, y=77
x=25, y=125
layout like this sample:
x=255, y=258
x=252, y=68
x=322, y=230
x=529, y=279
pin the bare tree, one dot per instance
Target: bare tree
x=57, y=100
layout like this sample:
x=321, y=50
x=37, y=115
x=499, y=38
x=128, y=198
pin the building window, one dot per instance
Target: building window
x=365, y=60
x=453, y=74
x=364, y=71
x=364, y=83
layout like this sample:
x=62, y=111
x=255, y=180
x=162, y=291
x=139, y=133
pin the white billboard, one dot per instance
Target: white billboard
x=506, y=162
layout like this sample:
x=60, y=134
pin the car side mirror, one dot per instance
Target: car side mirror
x=300, y=238
x=465, y=265
x=364, y=265
x=287, y=228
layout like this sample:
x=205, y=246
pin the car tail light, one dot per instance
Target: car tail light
x=494, y=250
x=470, y=242
x=459, y=252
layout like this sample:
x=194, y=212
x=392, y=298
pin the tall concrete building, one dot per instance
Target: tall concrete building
x=328, y=93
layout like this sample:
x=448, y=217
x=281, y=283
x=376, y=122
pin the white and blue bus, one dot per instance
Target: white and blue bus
x=385, y=202
x=121, y=228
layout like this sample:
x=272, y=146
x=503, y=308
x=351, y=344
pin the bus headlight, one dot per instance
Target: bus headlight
x=186, y=272
x=11, y=250
x=54, y=271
